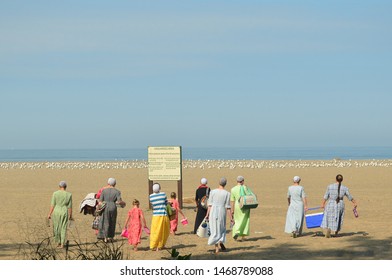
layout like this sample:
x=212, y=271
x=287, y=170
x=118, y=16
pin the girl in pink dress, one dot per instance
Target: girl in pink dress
x=176, y=205
x=134, y=224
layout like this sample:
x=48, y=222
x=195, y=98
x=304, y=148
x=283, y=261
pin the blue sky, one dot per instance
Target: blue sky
x=129, y=74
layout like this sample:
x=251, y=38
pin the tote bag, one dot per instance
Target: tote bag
x=247, y=200
x=171, y=212
x=203, y=230
x=95, y=224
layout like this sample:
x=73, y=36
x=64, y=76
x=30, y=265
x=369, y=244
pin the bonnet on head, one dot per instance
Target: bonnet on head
x=296, y=179
x=223, y=181
x=63, y=184
x=112, y=182
x=156, y=188
x=240, y=179
x=203, y=181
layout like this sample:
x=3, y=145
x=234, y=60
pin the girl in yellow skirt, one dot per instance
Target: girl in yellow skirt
x=160, y=224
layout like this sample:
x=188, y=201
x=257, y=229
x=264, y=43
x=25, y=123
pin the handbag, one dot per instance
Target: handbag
x=171, y=212
x=100, y=207
x=95, y=223
x=204, y=200
x=124, y=233
x=247, y=200
x=203, y=230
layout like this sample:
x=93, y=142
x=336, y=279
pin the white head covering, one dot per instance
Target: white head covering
x=156, y=188
x=240, y=179
x=112, y=182
x=63, y=184
x=296, y=179
x=203, y=181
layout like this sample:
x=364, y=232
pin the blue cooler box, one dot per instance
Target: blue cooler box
x=314, y=220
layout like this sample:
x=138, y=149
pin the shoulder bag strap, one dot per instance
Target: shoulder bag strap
x=242, y=191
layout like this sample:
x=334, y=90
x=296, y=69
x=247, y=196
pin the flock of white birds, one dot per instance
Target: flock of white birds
x=202, y=164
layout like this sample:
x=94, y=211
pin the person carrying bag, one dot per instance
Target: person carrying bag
x=241, y=201
x=248, y=199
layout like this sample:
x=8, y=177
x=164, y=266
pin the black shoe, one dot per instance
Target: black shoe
x=222, y=246
x=235, y=236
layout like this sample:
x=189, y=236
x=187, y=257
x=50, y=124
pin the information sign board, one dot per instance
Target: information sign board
x=164, y=163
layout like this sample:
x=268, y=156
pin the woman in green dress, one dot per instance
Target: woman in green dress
x=61, y=208
x=241, y=216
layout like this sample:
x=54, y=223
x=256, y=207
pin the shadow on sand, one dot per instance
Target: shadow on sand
x=361, y=247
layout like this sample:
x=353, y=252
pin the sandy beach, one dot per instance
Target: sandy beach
x=27, y=190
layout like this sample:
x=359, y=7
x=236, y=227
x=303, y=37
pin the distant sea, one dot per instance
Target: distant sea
x=325, y=153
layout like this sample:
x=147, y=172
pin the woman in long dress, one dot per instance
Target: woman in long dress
x=160, y=224
x=201, y=212
x=241, y=216
x=334, y=209
x=107, y=224
x=61, y=208
x=297, y=206
x=218, y=208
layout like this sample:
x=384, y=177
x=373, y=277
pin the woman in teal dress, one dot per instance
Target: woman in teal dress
x=241, y=216
x=61, y=208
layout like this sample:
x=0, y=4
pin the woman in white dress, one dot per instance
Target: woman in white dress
x=297, y=206
x=218, y=209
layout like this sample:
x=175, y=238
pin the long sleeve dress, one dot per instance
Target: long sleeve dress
x=201, y=212
x=219, y=201
x=295, y=212
x=334, y=212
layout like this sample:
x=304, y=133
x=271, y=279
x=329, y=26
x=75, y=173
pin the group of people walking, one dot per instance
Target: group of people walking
x=220, y=206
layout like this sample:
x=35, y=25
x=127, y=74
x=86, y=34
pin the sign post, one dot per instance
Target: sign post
x=165, y=164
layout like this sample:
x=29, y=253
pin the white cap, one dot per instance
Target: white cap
x=203, y=181
x=156, y=188
x=112, y=182
x=63, y=184
x=296, y=179
x=240, y=179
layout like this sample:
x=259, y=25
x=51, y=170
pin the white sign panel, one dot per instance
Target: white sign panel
x=164, y=163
